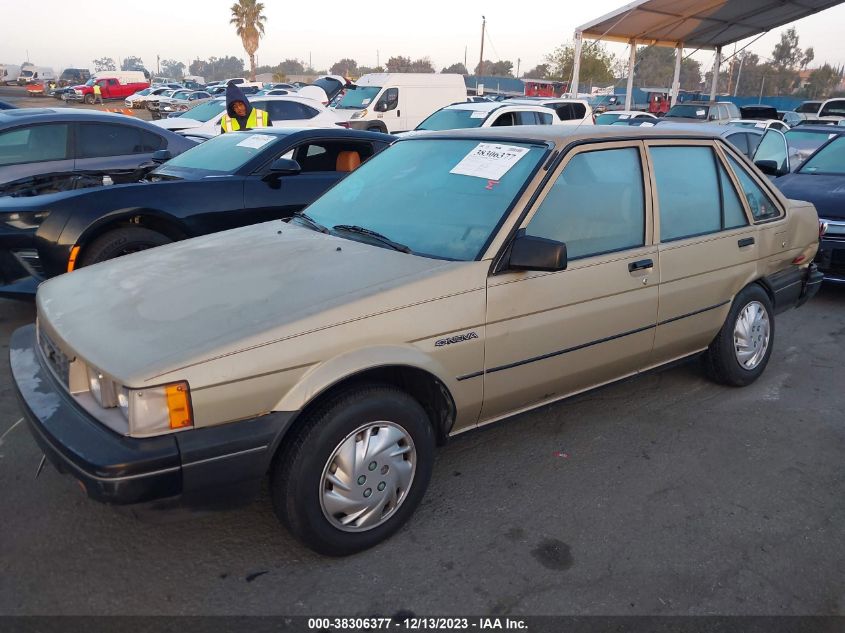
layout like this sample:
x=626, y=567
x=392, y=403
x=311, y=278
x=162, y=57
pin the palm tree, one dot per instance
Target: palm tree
x=248, y=18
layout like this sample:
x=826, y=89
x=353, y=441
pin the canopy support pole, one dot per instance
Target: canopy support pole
x=629, y=92
x=576, y=70
x=676, y=82
x=718, y=62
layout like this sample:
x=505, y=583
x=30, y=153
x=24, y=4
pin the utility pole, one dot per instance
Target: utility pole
x=158, y=65
x=739, y=74
x=378, y=59
x=481, y=57
x=465, y=58
x=517, y=67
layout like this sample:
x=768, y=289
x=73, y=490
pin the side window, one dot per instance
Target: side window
x=505, y=119
x=740, y=141
x=596, y=205
x=152, y=142
x=34, y=144
x=762, y=207
x=305, y=112
x=734, y=213
x=388, y=101
x=564, y=112
x=753, y=142
x=543, y=118
x=332, y=156
x=688, y=191
x=283, y=110
x=579, y=111
x=525, y=118
x=97, y=140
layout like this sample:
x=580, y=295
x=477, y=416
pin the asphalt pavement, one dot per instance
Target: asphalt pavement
x=664, y=494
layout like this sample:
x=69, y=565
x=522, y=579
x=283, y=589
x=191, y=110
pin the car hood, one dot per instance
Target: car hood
x=148, y=314
x=827, y=193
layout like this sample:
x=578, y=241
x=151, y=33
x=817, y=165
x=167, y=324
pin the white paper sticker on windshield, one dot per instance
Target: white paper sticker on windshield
x=489, y=161
x=624, y=116
x=830, y=136
x=256, y=141
x=700, y=112
x=365, y=101
x=478, y=115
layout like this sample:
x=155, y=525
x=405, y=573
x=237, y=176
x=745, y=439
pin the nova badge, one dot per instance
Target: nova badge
x=460, y=338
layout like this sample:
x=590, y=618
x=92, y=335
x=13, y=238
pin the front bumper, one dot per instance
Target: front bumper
x=202, y=468
x=831, y=256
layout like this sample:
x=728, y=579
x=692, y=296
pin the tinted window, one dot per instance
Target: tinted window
x=761, y=204
x=103, y=139
x=288, y=111
x=835, y=107
x=389, y=100
x=772, y=147
x=34, y=144
x=526, y=118
x=828, y=160
x=323, y=156
x=731, y=205
x=151, y=142
x=543, y=118
x=596, y=204
x=740, y=141
x=505, y=119
x=688, y=191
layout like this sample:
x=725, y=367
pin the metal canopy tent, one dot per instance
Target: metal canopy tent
x=699, y=24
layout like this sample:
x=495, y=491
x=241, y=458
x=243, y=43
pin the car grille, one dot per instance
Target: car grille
x=55, y=357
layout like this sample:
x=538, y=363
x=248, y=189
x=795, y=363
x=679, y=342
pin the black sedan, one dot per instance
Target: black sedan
x=229, y=181
x=821, y=180
x=49, y=149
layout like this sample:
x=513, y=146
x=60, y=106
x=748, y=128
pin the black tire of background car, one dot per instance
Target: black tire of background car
x=298, y=467
x=119, y=242
x=720, y=359
x=89, y=99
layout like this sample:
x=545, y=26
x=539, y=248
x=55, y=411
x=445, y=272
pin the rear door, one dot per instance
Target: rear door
x=553, y=334
x=111, y=146
x=708, y=247
x=35, y=149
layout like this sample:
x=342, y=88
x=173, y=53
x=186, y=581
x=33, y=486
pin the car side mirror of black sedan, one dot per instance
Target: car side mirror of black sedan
x=285, y=167
x=537, y=253
x=161, y=156
x=770, y=167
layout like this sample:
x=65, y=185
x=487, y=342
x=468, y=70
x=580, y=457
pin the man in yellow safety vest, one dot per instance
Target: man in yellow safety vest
x=240, y=115
x=98, y=93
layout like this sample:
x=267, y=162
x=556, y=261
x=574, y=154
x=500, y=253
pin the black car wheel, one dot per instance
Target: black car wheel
x=89, y=99
x=740, y=352
x=118, y=242
x=355, y=470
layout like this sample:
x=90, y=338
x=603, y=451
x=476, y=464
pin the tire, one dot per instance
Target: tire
x=122, y=241
x=89, y=99
x=737, y=360
x=300, y=485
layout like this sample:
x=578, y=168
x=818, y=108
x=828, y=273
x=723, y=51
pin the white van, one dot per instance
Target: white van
x=123, y=76
x=397, y=102
x=9, y=74
x=31, y=74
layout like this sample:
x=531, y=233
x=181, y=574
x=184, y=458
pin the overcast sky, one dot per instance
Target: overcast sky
x=73, y=32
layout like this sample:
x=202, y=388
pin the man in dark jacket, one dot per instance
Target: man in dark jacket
x=240, y=115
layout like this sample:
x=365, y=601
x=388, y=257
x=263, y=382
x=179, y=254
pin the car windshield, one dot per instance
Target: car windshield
x=419, y=193
x=224, y=154
x=609, y=118
x=143, y=93
x=181, y=94
x=810, y=107
x=828, y=160
x=802, y=144
x=686, y=111
x=835, y=107
x=91, y=82
x=358, y=98
x=454, y=119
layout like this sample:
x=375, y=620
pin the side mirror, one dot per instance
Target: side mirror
x=285, y=167
x=161, y=156
x=770, y=167
x=537, y=253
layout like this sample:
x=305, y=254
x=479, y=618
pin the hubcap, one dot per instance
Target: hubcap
x=368, y=476
x=751, y=335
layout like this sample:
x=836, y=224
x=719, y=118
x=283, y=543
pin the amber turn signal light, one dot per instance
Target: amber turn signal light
x=179, y=405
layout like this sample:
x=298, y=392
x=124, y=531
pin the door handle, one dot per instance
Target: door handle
x=746, y=241
x=643, y=264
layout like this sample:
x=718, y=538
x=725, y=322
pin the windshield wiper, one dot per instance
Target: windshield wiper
x=351, y=228
x=307, y=219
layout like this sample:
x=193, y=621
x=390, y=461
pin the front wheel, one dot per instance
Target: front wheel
x=740, y=352
x=355, y=471
x=119, y=242
x=89, y=99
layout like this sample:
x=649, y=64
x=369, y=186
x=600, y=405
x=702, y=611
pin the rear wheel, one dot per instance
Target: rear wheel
x=355, y=471
x=740, y=352
x=119, y=242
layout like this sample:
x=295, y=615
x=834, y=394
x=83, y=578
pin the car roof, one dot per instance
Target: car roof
x=711, y=129
x=819, y=129
x=548, y=100
x=565, y=134
x=28, y=115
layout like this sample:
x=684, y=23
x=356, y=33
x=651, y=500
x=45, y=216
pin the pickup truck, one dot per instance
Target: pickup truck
x=111, y=88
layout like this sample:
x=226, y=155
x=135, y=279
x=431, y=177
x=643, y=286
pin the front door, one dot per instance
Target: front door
x=554, y=334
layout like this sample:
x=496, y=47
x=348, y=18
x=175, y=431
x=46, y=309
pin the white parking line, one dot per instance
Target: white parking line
x=9, y=430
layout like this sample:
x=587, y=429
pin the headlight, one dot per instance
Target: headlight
x=102, y=389
x=156, y=410
x=360, y=114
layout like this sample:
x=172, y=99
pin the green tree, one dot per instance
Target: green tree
x=787, y=60
x=458, y=69
x=655, y=68
x=291, y=67
x=346, y=67
x=367, y=70
x=400, y=64
x=104, y=64
x=597, y=64
x=132, y=63
x=540, y=71
x=497, y=69
x=248, y=19
x=215, y=69
x=823, y=81
x=172, y=68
